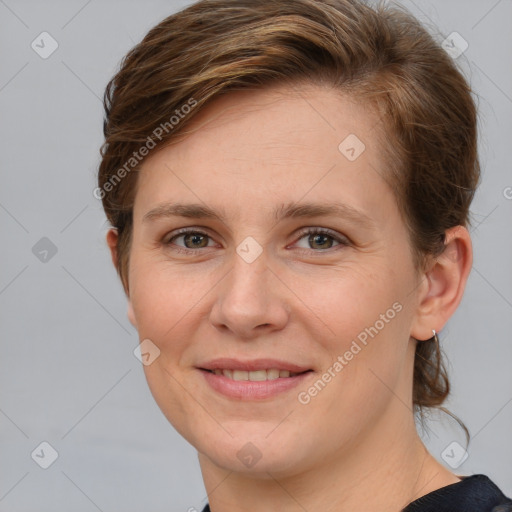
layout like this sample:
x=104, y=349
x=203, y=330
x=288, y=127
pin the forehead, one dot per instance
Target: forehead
x=261, y=148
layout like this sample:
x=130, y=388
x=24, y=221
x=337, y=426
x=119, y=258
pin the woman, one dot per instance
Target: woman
x=289, y=186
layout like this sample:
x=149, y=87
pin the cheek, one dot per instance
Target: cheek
x=165, y=306
x=348, y=300
x=163, y=297
x=361, y=323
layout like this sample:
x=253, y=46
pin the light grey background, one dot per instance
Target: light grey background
x=68, y=373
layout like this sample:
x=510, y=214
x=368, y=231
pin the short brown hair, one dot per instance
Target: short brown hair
x=381, y=55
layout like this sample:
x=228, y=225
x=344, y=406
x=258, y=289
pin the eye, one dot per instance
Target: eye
x=321, y=239
x=192, y=239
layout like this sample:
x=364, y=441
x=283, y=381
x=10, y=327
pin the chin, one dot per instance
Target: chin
x=264, y=468
x=258, y=454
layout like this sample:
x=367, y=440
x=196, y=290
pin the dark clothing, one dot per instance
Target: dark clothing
x=474, y=493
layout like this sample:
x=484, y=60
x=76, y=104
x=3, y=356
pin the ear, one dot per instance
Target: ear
x=112, y=237
x=443, y=285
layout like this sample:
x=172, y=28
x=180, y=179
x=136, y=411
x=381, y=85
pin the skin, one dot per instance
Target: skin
x=354, y=446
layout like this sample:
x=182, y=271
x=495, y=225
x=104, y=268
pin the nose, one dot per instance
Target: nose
x=251, y=300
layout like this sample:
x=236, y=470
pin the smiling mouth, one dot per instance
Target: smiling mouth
x=257, y=375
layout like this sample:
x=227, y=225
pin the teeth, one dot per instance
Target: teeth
x=272, y=374
x=258, y=375
x=240, y=375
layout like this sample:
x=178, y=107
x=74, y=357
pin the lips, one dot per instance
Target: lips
x=258, y=379
x=252, y=390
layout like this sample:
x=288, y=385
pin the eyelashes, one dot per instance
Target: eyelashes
x=316, y=236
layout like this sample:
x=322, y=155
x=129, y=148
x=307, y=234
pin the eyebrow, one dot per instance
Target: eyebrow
x=290, y=210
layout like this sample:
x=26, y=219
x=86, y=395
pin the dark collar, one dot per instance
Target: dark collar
x=474, y=493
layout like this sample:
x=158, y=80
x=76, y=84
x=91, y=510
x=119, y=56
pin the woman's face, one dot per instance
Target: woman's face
x=251, y=283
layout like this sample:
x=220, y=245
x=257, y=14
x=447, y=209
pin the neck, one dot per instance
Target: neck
x=384, y=471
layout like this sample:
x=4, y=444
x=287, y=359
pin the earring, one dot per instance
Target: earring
x=436, y=339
